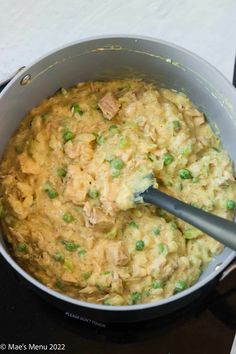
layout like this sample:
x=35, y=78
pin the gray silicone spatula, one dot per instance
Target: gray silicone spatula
x=220, y=229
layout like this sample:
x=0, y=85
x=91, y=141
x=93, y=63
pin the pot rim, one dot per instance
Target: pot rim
x=125, y=308
x=120, y=36
x=68, y=299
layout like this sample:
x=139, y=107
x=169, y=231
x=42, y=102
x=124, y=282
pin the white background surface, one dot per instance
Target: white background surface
x=31, y=28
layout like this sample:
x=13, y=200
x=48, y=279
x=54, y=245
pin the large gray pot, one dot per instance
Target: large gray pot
x=117, y=57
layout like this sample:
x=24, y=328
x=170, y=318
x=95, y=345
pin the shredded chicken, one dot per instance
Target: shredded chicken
x=81, y=150
x=77, y=184
x=96, y=217
x=117, y=254
x=27, y=164
x=69, y=277
x=109, y=105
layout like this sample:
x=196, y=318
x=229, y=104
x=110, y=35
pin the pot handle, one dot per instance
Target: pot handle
x=228, y=270
x=222, y=303
x=6, y=81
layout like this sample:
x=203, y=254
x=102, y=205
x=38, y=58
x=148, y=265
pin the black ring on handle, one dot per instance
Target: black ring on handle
x=4, y=84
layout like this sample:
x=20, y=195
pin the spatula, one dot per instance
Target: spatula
x=220, y=229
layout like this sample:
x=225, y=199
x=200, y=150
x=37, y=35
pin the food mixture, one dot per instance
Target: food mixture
x=70, y=179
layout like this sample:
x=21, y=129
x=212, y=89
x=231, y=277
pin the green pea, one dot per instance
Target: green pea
x=115, y=173
x=59, y=256
x=60, y=285
x=180, y=286
x=139, y=246
x=167, y=158
x=186, y=150
x=70, y=245
x=191, y=233
x=51, y=192
x=230, y=204
x=136, y=297
x=61, y=172
x=68, y=135
x=123, y=142
x=22, y=247
x=117, y=164
x=99, y=287
x=176, y=125
x=184, y=173
x=82, y=253
x=87, y=275
x=93, y=193
x=147, y=292
x=157, y=284
x=113, y=128
x=133, y=224
x=68, y=218
x=75, y=108
x=156, y=230
x=163, y=249
x=173, y=226
x=106, y=302
x=195, y=179
x=99, y=138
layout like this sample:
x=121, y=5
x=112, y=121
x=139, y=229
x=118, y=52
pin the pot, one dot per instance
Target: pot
x=103, y=58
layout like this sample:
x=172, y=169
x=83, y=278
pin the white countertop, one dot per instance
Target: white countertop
x=31, y=28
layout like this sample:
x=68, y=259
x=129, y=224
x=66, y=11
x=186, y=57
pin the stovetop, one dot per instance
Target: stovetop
x=206, y=327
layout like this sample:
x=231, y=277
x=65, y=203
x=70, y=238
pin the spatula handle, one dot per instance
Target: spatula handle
x=220, y=229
